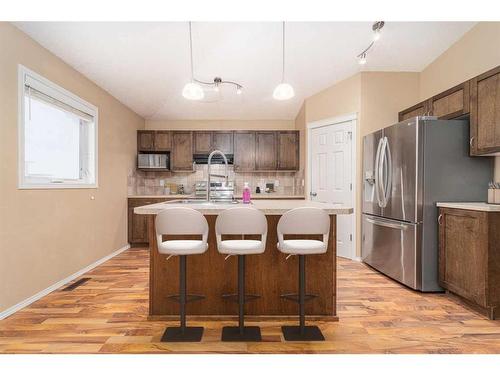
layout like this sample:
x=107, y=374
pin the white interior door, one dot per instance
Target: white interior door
x=331, y=176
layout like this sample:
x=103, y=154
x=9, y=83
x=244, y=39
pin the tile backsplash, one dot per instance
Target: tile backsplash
x=150, y=183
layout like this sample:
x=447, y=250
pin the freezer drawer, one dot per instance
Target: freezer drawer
x=390, y=246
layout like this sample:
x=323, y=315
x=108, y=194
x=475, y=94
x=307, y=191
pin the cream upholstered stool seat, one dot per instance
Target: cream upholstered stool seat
x=182, y=221
x=303, y=221
x=241, y=221
x=302, y=247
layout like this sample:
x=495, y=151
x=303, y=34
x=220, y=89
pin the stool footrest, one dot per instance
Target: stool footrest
x=189, y=297
x=234, y=297
x=295, y=297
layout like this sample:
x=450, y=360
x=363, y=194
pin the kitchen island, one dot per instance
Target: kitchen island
x=268, y=275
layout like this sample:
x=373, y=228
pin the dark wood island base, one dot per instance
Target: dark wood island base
x=268, y=275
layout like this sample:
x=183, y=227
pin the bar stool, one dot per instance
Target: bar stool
x=303, y=221
x=182, y=221
x=241, y=221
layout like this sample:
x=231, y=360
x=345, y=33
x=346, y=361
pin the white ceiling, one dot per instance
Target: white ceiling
x=145, y=65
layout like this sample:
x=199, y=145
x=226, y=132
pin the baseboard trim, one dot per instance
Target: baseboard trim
x=357, y=259
x=28, y=301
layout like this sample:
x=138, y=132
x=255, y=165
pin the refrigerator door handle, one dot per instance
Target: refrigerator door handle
x=381, y=182
x=388, y=185
x=387, y=224
x=377, y=174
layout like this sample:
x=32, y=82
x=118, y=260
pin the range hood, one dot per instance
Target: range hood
x=216, y=159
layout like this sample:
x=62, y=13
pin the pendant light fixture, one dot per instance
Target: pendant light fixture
x=192, y=90
x=283, y=91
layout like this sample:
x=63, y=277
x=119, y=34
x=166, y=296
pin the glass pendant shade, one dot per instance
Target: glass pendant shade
x=193, y=91
x=283, y=91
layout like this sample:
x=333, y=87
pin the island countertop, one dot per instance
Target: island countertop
x=267, y=206
x=270, y=274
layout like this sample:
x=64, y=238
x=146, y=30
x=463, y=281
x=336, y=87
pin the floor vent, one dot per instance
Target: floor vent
x=76, y=284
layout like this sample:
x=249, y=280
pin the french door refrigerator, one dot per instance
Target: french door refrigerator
x=407, y=168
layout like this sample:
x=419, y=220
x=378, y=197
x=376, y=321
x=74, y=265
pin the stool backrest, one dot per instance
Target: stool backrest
x=304, y=220
x=181, y=221
x=241, y=220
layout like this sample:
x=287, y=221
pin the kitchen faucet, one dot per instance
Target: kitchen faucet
x=209, y=164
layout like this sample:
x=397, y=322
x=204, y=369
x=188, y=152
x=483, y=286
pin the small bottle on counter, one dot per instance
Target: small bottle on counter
x=246, y=193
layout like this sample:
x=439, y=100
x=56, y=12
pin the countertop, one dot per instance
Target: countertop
x=254, y=196
x=473, y=206
x=268, y=206
x=170, y=196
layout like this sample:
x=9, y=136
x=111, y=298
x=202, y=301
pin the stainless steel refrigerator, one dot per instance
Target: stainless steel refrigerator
x=407, y=168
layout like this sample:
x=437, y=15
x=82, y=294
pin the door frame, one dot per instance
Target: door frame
x=332, y=121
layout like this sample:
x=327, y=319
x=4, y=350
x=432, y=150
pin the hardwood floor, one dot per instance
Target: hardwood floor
x=108, y=314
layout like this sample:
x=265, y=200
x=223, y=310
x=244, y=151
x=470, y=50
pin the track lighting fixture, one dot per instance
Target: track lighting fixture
x=376, y=27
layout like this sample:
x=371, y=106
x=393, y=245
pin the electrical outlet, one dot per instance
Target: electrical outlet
x=276, y=183
x=162, y=183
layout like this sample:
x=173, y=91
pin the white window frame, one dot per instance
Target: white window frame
x=64, y=96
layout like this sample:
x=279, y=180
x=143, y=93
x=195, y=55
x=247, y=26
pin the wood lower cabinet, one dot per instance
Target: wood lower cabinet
x=244, y=151
x=288, y=150
x=266, y=153
x=138, y=224
x=485, y=113
x=469, y=257
x=181, y=156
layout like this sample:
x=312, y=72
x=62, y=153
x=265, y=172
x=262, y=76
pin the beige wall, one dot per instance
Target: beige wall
x=220, y=124
x=47, y=235
x=476, y=52
x=383, y=95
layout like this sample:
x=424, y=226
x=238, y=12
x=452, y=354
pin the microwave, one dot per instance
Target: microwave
x=153, y=161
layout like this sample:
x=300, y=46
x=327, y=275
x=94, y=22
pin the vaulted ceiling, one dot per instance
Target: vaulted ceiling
x=146, y=65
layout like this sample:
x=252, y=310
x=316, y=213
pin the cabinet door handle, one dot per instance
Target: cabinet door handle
x=440, y=217
x=471, y=141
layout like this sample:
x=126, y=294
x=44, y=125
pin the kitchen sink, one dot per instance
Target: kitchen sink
x=202, y=201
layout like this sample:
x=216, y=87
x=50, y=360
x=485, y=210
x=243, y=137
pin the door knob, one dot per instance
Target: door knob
x=313, y=194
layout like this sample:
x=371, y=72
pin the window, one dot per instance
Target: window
x=57, y=136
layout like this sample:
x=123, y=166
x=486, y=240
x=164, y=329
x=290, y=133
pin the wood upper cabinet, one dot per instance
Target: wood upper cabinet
x=202, y=142
x=451, y=103
x=223, y=141
x=162, y=140
x=485, y=113
x=288, y=150
x=181, y=156
x=266, y=153
x=244, y=151
x=469, y=257
x=420, y=109
x=151, y=140
x=447, y=105
x=145, y=140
